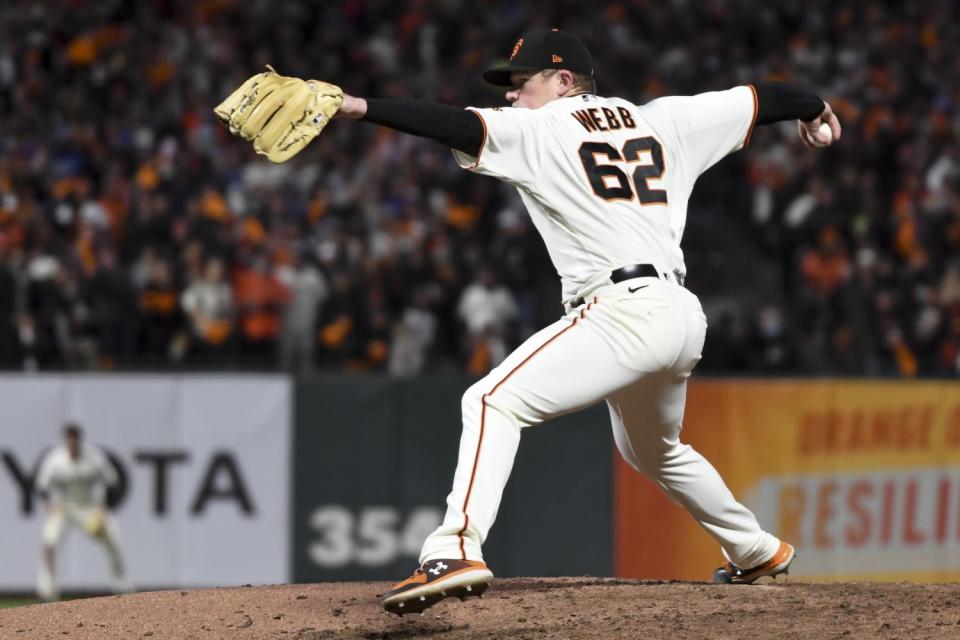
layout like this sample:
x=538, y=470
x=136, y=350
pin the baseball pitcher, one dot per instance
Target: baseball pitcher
x=73, y=481
x=606, y=183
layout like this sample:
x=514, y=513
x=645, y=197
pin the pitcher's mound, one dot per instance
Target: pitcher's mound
x=513, y=609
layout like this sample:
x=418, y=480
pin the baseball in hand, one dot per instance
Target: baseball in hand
x=823, y=136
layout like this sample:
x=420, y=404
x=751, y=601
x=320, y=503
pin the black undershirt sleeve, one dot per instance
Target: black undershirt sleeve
x=452, y=126
x=462, y=129
x=777, y=102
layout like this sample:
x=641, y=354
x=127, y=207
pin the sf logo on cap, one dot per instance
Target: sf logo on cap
x=516, y=48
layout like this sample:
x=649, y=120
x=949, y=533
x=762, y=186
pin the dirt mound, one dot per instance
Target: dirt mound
x=514, y=609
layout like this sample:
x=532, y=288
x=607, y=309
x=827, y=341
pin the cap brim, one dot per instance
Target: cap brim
x=501, y=75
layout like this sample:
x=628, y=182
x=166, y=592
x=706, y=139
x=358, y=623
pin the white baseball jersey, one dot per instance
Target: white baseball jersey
x=607, y=182
x=81, y=482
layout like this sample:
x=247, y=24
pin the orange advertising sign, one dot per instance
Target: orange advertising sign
x=863, y=477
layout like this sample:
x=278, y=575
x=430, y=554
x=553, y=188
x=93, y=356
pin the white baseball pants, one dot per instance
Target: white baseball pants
x=66, y=516
x=636, y=350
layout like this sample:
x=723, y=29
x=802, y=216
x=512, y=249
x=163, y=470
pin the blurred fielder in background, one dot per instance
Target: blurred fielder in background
x=73, y=482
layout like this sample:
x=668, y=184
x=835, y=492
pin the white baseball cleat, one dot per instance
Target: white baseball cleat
x=46, y=587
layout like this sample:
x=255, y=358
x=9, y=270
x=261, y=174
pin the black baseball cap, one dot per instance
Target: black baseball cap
x=543, y=49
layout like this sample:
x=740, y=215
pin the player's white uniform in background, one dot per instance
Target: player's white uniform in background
x=606, y=183
x=77, y=491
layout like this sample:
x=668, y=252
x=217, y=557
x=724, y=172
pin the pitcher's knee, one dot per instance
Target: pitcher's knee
x=481, y=402
x=653, y=460
x=472, y=400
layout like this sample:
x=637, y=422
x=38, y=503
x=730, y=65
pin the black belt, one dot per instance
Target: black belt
x=634, y=271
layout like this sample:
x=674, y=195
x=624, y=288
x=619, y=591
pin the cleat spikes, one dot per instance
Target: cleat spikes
x=443, y=593
x=423, y=598
x=469, y=588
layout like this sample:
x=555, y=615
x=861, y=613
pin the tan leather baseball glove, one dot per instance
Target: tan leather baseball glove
x=95, y=525
x=279, y=114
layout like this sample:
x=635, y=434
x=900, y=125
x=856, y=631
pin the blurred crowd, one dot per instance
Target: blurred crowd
x=136, y=232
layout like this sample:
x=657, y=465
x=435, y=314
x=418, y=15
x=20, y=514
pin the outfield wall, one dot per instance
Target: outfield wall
x=260, y=479
x=863, y=477
x=374, y=462
x=204, y=489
